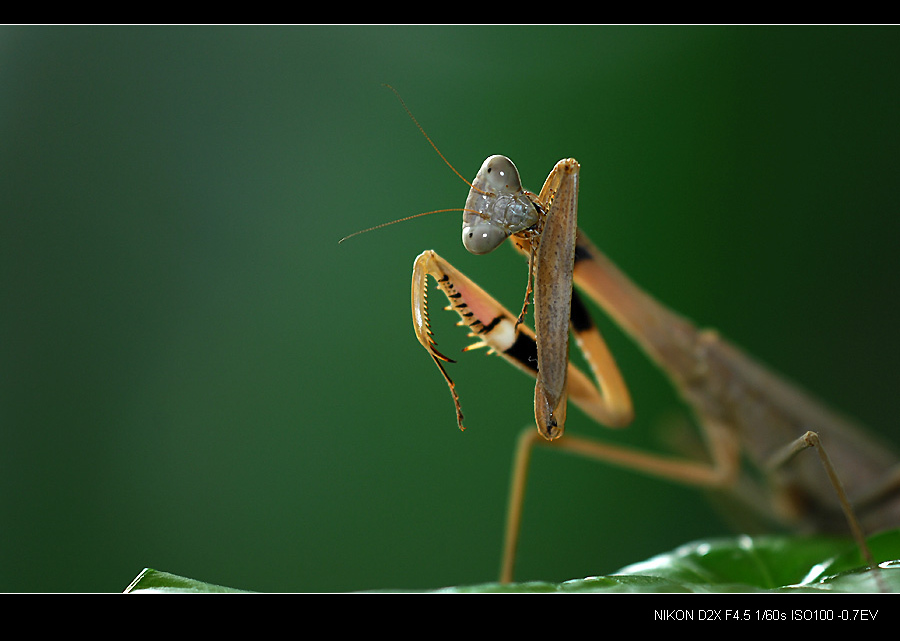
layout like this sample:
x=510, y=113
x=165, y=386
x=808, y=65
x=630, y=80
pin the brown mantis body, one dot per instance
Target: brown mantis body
x=745, y=412
x=741, y=407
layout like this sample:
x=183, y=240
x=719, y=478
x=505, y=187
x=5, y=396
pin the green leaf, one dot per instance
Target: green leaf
x=154, y=581
x=744, y=564
x=739, y=564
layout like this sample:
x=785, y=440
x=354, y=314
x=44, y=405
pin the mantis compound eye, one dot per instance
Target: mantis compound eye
x=482, y=236
x=500, y=175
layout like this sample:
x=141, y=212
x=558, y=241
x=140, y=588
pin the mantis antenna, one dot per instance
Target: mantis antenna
x=434, y=146
x=400, y=220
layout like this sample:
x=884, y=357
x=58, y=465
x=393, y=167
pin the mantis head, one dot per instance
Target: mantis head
x=497, y=206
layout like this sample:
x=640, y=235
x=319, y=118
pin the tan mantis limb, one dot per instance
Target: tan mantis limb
x=811, y=440
x=685, y=471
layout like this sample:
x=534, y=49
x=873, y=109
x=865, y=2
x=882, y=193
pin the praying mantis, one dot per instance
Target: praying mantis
x=755, y=424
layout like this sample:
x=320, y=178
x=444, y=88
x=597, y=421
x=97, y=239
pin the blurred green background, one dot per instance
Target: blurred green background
x=196, y=377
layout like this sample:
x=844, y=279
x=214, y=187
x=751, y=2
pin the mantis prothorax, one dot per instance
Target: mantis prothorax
x=743, y=410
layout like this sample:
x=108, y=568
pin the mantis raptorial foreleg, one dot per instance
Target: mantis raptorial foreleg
x=496, y=329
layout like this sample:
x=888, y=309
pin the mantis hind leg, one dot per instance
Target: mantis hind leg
x=811, y=440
